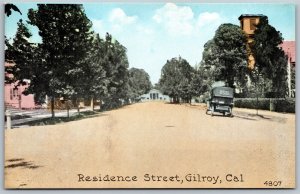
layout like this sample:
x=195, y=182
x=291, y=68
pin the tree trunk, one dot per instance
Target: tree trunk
x=100, y=104
x=256, y=86
x=78, y=104
x=52, y=107
x=68, y=108
x=92, y=103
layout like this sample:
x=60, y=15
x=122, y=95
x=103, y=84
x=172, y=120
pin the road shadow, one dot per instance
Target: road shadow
x=17, y=117
x=57, y=120
x=15, y=160
x=21, y=163
x=199, y=106
x=245, y=117
x=221, y=115
x=169, y=126
x=255, y=117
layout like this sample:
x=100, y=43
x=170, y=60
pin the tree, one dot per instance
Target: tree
x=198, y=85
x=21, y=54
x=270, y=60
x=226, y=55
x=96, y=74
x=116, y=68
x=175, y=80
x=66, y=39
x=293, y=80
x=9, y=7
x=139, y=83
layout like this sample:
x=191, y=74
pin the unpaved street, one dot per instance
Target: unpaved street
x=158, y=139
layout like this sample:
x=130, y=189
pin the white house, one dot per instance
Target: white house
x=153, y=95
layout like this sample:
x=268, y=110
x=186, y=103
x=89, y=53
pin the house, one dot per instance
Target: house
x=289, y=49
x=154, y=95
x=13, y=94
x=248, y=24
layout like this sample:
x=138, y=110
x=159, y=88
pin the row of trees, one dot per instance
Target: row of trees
x=72, y=62
x=181, y=81
x=225, y=58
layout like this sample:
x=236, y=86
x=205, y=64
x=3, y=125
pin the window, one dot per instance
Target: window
x=252, y=24
x=242, y=24
x=15, y=92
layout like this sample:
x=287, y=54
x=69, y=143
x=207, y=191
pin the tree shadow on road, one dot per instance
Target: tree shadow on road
x=21, y=163
x=255, y=117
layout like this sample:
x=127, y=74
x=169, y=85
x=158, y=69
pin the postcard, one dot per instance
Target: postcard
x=149, y=95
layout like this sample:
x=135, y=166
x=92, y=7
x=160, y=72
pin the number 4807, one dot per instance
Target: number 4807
x=272, y=183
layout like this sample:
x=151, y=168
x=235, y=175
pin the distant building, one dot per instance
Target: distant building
x=248, y=24
x=154, y=95
x=13, y=96
x=289, y=49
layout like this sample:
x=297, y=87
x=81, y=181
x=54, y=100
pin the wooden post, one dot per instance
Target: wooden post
x=8, y=119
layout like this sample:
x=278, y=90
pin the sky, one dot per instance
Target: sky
x=156, y=32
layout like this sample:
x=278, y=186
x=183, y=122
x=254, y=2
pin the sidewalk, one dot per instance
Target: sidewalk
x=38, y=114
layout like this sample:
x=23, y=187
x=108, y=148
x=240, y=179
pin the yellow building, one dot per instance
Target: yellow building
x=248, y=25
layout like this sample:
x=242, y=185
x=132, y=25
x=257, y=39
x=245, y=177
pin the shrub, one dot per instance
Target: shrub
x=288, y=105
x=279, y=105
x=263, y=104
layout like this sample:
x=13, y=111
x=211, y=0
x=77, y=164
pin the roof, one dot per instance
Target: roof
x=289, y=49
x=154, y=90
x=250, y=16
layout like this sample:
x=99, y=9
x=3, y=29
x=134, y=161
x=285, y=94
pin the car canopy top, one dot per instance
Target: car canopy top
x=222, y=92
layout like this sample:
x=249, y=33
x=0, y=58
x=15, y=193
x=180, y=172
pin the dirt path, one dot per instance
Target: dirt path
x=156, y=139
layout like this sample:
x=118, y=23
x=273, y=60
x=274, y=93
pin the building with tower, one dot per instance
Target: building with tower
x=248, y=24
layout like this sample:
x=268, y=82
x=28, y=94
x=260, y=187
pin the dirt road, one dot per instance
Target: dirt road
x=155, y=145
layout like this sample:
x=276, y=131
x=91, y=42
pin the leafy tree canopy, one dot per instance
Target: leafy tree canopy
x=139, y=82
x=176, y=76
x=66, y=39
x=9, y=7
x=271, y=62
x=226, y=55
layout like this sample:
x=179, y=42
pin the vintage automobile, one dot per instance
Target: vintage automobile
x=221, y=100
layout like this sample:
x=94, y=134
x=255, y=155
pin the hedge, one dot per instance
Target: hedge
x=285, y=105
x=273, y=104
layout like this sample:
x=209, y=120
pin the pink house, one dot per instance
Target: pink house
x=289, y=48
x=13, y=96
